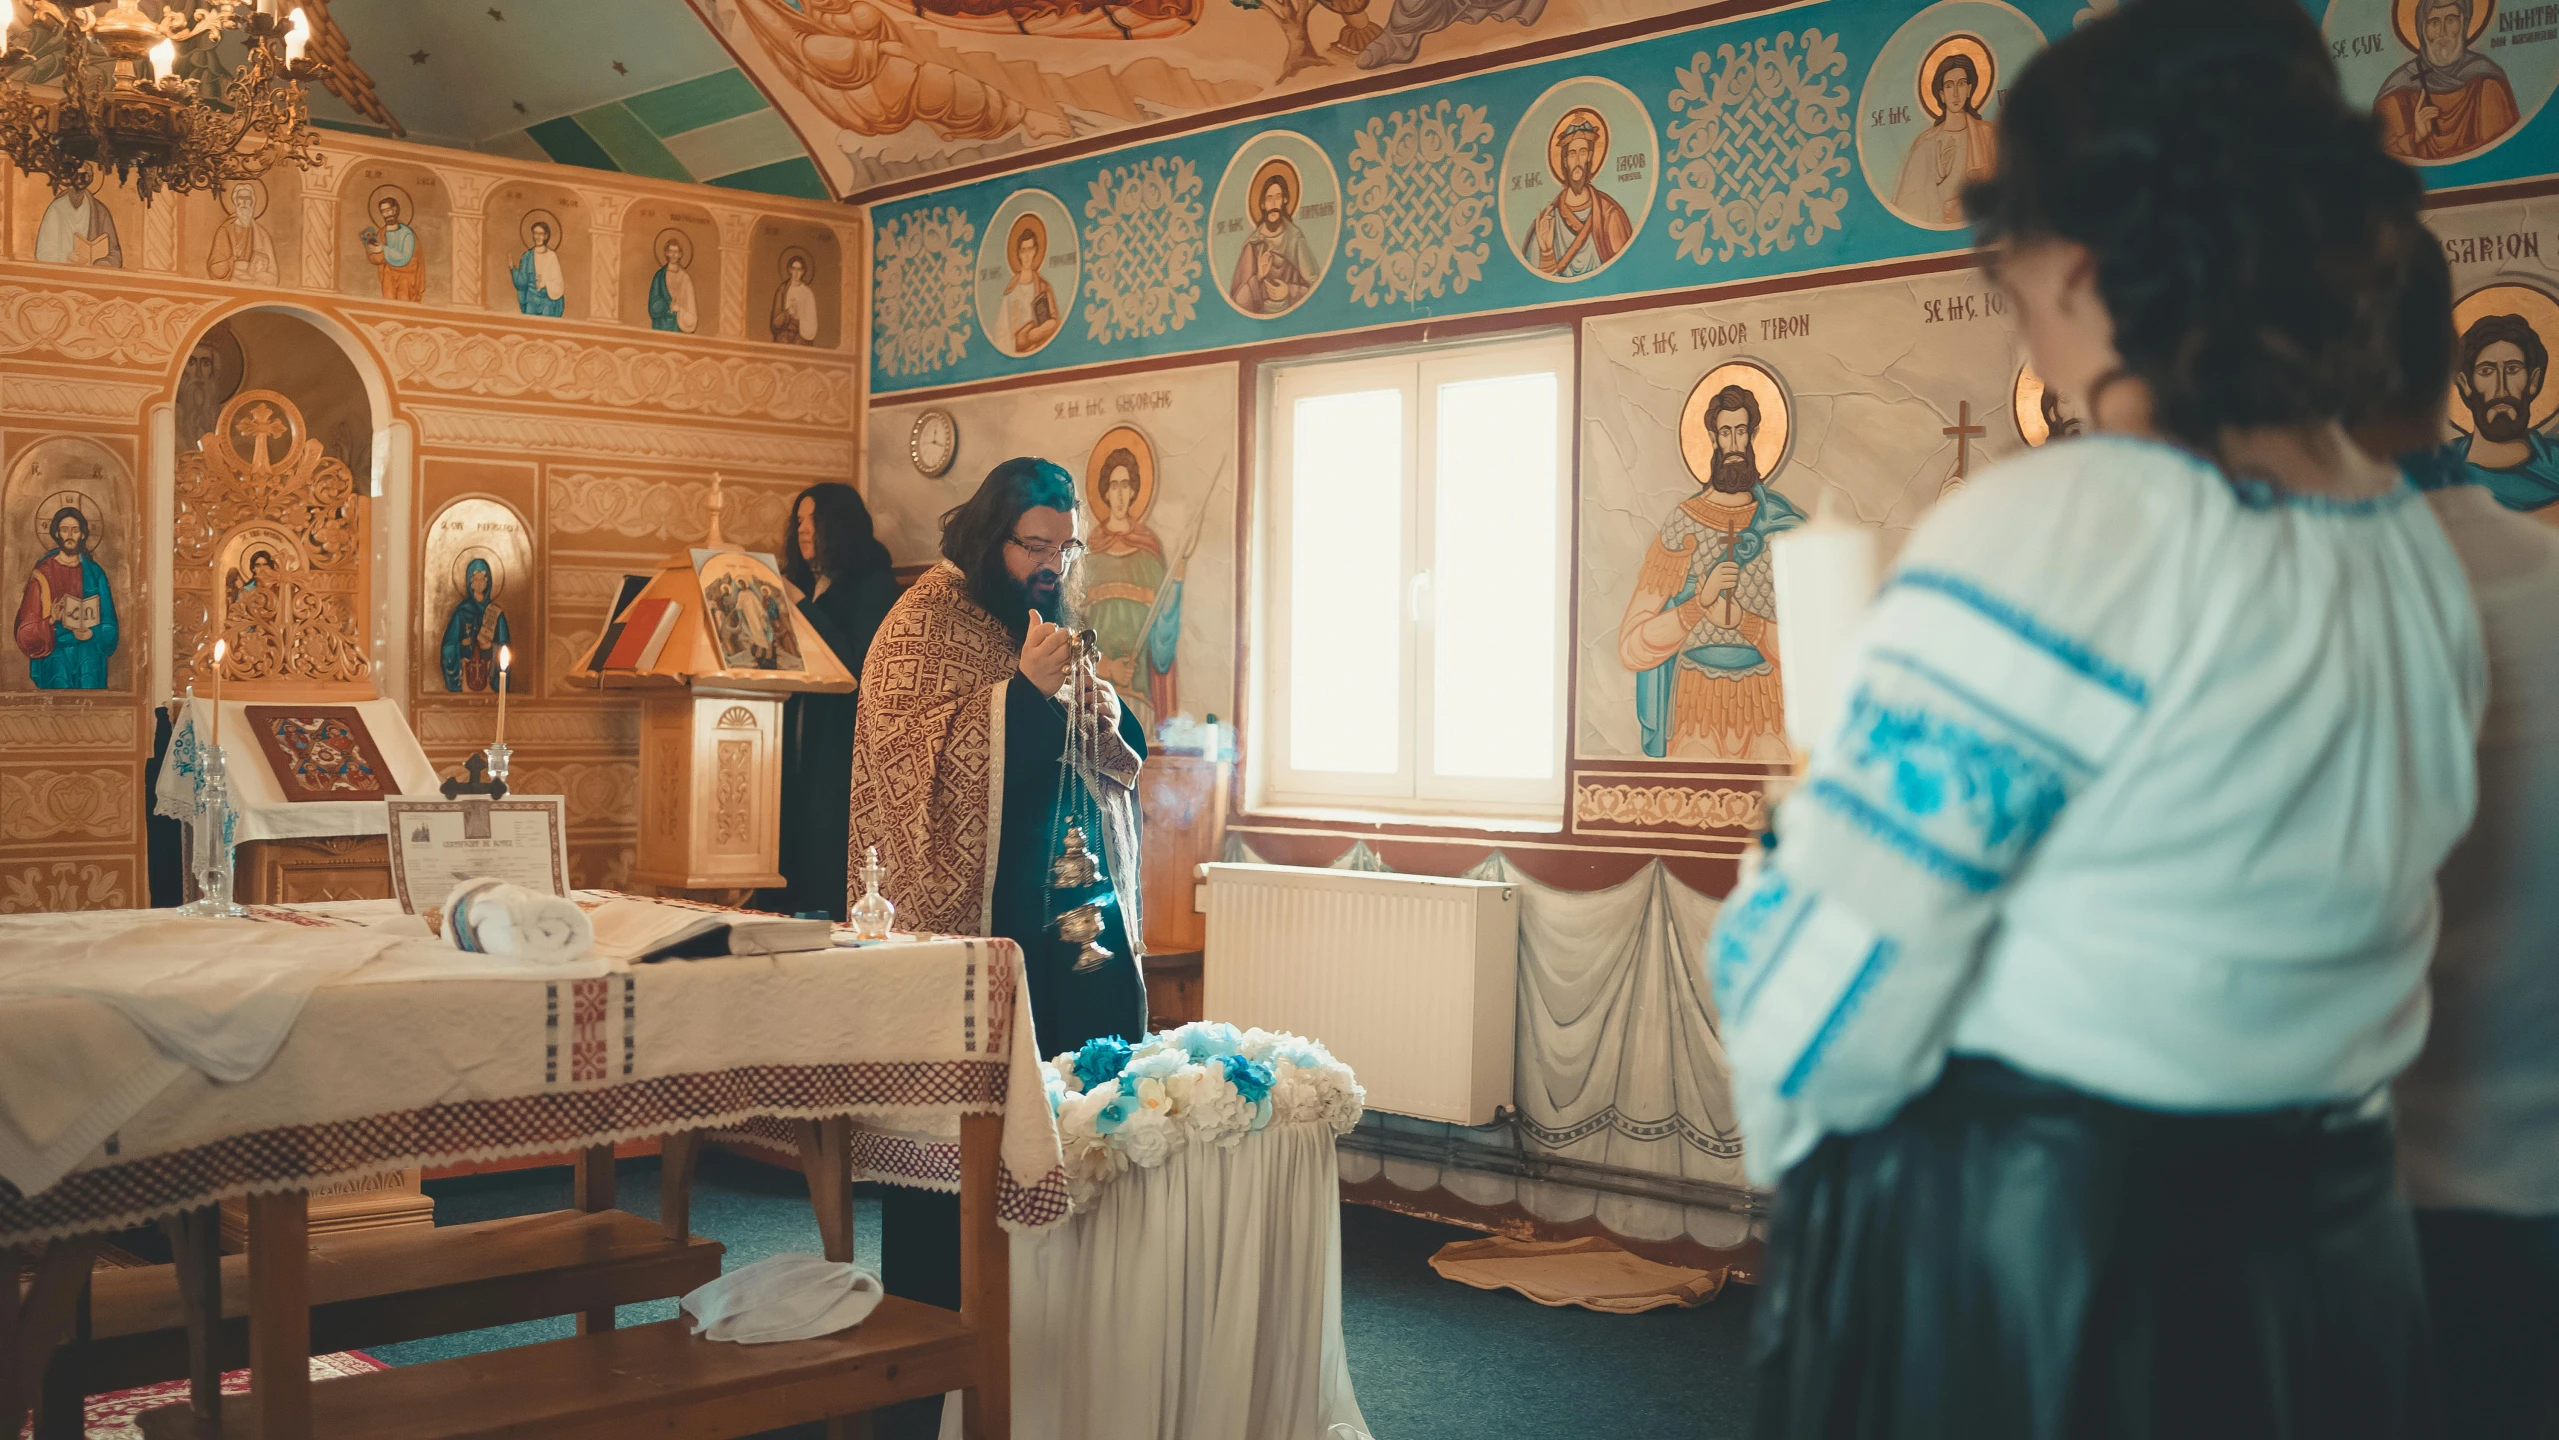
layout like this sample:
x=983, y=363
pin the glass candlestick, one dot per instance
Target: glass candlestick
x=499, y=754
x=872, y=914
x=213, y=820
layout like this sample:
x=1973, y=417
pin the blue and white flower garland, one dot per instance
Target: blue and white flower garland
x=1207, y=1083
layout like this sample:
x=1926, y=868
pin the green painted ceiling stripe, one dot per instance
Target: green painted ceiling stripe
x=795, y=176
x=563, y=141
x=633, y=148
x=692, y=104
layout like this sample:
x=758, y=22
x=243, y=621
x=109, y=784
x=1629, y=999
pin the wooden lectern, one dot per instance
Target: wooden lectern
x=711, y=698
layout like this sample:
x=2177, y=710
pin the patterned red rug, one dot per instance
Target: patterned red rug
x=112, y=1416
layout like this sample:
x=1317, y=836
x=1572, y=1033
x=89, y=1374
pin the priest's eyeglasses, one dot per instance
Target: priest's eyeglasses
x=1042, y=552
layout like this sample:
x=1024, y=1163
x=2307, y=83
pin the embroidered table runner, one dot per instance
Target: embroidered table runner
x=388, y=1071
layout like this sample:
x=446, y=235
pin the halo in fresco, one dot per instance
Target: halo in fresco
x=1028, y=267
x=1928, y=117
x=2446, y=79
x=1578, y=178
x=1264, y=268
x=2539, y=311
x=1768, y=445
x=2039, y=411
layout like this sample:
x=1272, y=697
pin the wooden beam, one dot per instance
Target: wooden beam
x=986, y=1280
x=592, y=1191
x=676, y=1155
x=32, y=1323
x=280, y=1314
x=195, y=1245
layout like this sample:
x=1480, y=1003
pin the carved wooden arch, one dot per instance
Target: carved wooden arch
x=272, y=555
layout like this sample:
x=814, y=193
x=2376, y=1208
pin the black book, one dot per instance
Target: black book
x=632, y=585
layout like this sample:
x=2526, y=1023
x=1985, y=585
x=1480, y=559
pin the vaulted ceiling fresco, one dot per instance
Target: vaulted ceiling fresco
x=633, y=85
x=842, y=97
x=887, y=90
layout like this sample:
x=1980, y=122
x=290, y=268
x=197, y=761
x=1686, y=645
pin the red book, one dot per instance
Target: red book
x=644, y=630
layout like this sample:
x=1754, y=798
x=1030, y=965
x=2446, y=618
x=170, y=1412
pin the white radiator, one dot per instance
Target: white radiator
x=1410, y=981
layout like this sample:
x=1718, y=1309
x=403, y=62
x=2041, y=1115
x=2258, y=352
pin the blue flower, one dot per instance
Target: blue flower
x=1114, y=1113
x=1251, y=1079
x=1209, y=1040
x=1261, y=1112
x=1101, y=1060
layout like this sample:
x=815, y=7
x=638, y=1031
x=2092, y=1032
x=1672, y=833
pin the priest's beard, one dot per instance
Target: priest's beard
x=1735, y=474
x=2501, y=419
x=1013, y=601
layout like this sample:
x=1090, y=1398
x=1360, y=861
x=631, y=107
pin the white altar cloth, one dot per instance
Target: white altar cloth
x=1200, y=1300
x=258, y=802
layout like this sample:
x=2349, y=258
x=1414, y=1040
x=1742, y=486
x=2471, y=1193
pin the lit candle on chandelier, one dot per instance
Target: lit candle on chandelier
x=220, y=649
x=506, y=658
x=164, y=59
x=297, y=37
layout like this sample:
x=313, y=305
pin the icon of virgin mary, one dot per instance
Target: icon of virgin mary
x=474, y=631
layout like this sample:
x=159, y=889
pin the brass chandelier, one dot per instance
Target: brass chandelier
x=123, y=108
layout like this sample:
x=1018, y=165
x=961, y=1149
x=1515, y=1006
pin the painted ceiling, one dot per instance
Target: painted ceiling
x=840, y=97
x=639, y=86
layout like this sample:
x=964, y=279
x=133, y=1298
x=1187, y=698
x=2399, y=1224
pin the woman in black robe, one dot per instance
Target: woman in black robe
x=839, y=576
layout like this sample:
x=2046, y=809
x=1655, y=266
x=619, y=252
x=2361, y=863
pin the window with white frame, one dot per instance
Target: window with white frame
x=1411, y=597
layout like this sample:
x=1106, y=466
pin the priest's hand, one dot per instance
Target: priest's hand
x=1105, y=707
x=1047, y=651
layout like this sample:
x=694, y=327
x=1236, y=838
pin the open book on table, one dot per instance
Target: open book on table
x=632, y=929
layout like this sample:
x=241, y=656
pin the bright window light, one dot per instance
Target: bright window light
x=1346, y=553
x=1493, y=580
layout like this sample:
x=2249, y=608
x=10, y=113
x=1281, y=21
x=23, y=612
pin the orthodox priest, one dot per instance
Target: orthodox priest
x=956, y=774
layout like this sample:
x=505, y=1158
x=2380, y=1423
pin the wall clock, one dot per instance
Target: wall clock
x=933, y=442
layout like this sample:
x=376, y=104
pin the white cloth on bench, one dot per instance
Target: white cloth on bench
x=783, y=1297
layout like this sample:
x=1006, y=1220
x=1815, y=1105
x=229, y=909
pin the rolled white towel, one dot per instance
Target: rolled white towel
x=491, y=917
x=783, y=1297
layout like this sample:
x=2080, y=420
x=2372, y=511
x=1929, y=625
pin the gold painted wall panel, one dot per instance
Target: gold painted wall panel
x=598, y=429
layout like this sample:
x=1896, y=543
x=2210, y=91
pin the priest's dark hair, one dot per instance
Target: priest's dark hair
x=2249, y=234
x=847, y=547
x=974, y=531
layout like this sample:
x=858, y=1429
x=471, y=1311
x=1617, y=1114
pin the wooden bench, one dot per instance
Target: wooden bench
x=383, y=1286
x=658, y=1380
x=191, y=1319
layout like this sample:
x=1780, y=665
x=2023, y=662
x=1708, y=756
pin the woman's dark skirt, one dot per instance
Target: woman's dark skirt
x=2013, y=1258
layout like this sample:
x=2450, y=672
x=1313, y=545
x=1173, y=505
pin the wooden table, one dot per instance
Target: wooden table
x=920, y=1034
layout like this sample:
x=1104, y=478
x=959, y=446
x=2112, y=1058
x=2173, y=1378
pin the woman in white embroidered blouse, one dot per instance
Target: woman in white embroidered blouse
x=2064, y=1007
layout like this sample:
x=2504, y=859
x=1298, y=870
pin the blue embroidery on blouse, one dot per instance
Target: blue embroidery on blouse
x=2060, y=749
x=1776, y=956
x=2253, y=493
x=1870, y=970
x=2063, y=648
x=1938, y=770
x=1921, y=850
x=1741, y=926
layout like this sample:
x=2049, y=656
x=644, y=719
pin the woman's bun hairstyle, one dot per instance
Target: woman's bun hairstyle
x=2251, y=238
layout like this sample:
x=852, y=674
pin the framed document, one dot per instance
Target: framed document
x=437, y=844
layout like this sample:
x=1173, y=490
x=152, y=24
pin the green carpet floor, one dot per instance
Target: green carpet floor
x=1430, y=1360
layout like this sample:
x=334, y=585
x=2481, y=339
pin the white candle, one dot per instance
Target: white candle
x=164, y=59
x=1825, y=575
x=297, y=37
x=506, y=658
x=220, y=649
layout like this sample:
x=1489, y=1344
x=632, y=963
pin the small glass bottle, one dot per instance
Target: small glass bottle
x=872, y=914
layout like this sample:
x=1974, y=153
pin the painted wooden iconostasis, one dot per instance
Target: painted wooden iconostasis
x=514, y=383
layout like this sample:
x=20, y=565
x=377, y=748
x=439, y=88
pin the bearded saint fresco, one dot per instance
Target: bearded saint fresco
x=1700, y=631
x=2504, y=363
x=2449, y=99
x=1276, y=268
x=1582, y=228
x=67, y=615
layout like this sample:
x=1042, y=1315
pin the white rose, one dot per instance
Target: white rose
x=1147, y=1138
